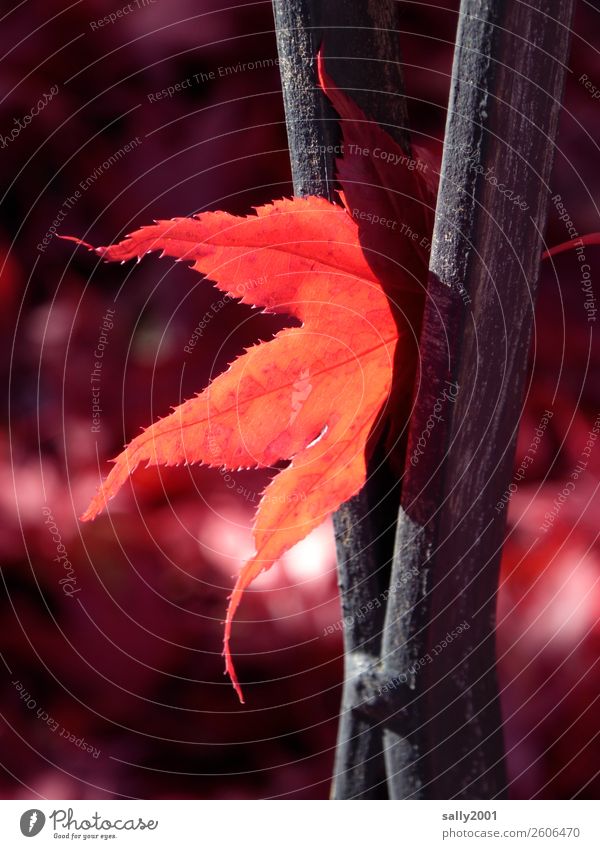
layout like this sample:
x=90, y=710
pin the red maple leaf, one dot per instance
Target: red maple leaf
x=314, y=395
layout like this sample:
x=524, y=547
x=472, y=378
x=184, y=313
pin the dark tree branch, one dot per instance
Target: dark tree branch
x=507, y=85
x=360, y=40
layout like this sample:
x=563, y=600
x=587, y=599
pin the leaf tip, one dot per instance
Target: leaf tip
x=89, y=515
x=230, y=670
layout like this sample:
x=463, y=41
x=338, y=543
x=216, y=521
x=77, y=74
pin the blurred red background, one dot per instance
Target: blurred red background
x=117, y=689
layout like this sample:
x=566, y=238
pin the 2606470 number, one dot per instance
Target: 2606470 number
x=554, y=832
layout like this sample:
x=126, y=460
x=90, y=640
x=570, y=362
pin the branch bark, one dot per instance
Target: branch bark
x=502, y=121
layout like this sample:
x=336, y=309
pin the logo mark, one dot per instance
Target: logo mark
x=32, y=822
